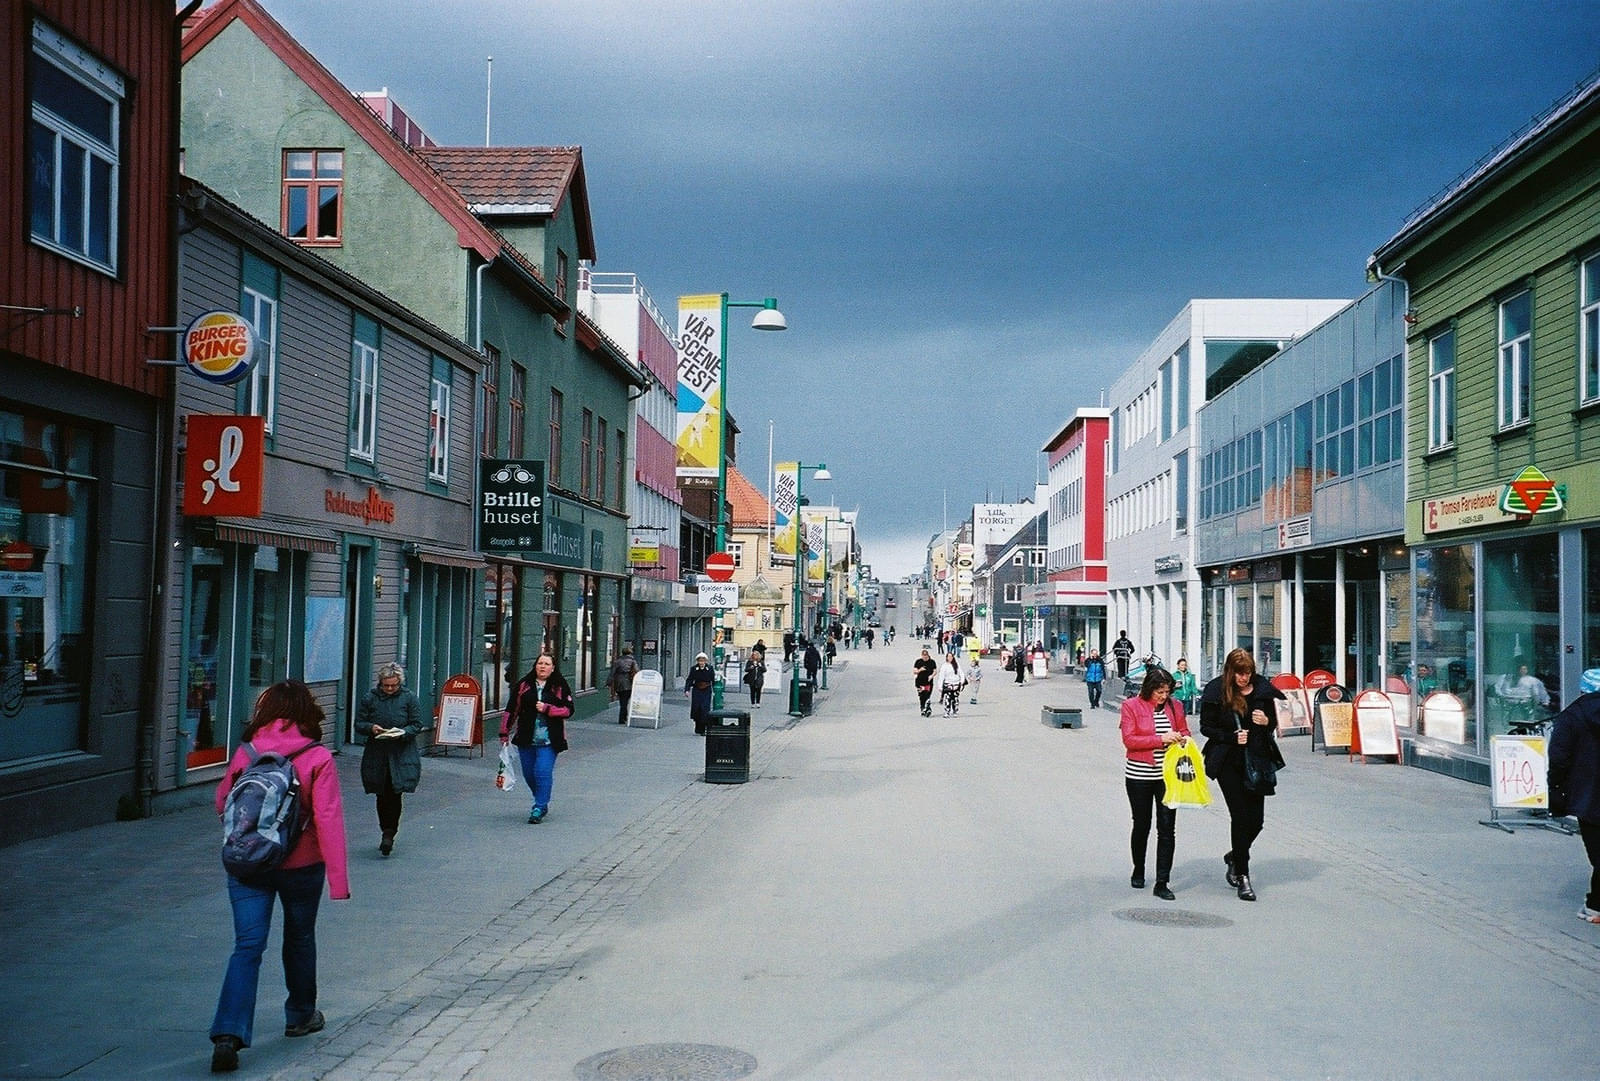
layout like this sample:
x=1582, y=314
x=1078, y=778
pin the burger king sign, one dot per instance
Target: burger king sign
x=220, y=347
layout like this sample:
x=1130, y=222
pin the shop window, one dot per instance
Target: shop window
x=47, y=494
x=499, y=633
x=74, y=150
x=1445, y=614
x=313, y=196
x=1522, y=632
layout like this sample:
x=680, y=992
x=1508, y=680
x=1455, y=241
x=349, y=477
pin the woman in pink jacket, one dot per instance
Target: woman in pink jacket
x=1150, y=724
x=287, y=720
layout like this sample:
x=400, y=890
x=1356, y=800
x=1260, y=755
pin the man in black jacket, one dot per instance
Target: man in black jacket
x=1122, y=650
x=1575, y=783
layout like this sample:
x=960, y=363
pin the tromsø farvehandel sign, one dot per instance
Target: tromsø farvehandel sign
x=511, y=506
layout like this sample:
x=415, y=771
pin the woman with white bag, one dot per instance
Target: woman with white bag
x=1151, y=723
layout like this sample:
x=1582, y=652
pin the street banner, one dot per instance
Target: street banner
x=699, y=388
x=814, y=547
x=785, y=512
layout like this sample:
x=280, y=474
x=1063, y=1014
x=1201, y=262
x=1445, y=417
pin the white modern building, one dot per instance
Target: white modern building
x=1153, y=586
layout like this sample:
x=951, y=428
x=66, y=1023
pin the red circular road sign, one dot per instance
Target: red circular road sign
x=719, y=567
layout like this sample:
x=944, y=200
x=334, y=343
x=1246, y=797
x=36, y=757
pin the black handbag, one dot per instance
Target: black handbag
x=1260, y=768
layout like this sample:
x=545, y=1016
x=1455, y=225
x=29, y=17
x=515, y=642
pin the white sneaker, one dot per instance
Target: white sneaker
x=1588, y=915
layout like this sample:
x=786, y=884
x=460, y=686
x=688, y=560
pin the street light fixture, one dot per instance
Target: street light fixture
x=767, y=318
x=820, y=470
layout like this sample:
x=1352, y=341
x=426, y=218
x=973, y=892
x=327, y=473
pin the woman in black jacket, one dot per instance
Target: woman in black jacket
x=536, y=724
x=1239, y=709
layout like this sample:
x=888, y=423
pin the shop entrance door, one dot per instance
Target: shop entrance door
x=358, y=590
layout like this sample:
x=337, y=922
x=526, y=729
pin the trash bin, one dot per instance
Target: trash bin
x=728, y=746
x=808, y=690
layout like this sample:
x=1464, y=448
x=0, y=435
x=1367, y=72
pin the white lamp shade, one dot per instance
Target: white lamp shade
x=769, y=319
x=822, y=474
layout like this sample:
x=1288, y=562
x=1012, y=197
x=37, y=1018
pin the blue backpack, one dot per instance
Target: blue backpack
x=262, y=819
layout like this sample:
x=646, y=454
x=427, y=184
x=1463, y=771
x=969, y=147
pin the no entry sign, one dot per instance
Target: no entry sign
x=719, y=567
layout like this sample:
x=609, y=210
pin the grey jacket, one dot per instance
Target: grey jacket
x=396, y=759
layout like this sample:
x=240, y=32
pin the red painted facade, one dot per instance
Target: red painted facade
x=1092, y=434
x=138, y=38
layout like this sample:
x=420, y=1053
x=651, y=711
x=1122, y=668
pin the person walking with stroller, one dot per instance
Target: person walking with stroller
x=1094, y=677
x=951, y=681
x=1151, y=721
x=923, y=670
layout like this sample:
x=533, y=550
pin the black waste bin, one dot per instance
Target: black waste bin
x=808, y=691
x=728, y=746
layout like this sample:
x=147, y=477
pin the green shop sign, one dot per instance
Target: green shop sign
x=564, y=542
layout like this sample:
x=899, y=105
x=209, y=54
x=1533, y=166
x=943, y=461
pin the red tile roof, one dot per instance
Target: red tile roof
x=510, y=180
x=750, y=507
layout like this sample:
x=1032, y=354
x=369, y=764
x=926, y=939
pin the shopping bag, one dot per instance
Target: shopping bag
x=1185, y=777
x=505, y=778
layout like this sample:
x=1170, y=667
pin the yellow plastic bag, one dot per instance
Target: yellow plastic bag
x=1185, y=776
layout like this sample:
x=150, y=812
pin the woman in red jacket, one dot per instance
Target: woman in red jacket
x=289, y=721
x=1150, y=724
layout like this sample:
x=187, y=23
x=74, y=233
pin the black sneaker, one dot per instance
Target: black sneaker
x=225, y=1053
x=311, y=1024
x=1137, y=881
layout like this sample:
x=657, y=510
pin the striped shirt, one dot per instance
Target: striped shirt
x=1143, y=771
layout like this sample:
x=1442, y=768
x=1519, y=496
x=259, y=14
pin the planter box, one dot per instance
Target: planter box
x=1061, y=717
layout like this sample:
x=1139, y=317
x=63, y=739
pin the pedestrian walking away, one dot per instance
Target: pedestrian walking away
x=1094, y=677
x=697, y=685
x=974, y=678
x=950, y=683
x=1184, y=686
x=923, y=669
x=1019, y=661
x=389, y=719
x=1239, y=715
x=287, y=720
x=813, y=659
x=755, y=672
x=1122, y=650
x=1574, y=775
x=620, y=681
x=1151, y=722
x=536, y=725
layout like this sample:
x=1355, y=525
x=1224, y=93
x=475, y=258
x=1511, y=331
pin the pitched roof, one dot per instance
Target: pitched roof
x=750, y=507
x=510, y=181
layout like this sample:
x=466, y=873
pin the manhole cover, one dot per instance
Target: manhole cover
x=1172, y=917
x=667, y=1062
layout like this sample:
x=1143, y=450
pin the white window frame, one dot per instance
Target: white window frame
x=1589, y=331
x=736, y=550
x=53, y=48
x=1441, y=394
x=363, y=401
x=261, y=394
x=1013, y=593
x=1514, y=395
x=439, y=432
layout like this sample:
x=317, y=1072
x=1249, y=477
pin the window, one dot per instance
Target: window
x=258, y=303
x=1168, y=401
x=73, y=148
x=1013, y=593
x=1336, y=433
x=1516, y=359
x=1180, y=492
x=1442, y=390
x=1589, y=332
x=561, y=275
x=554, y=466
x=622, y=469
x=736, y=550
x=1036, y=557
x=489, y=388
x=519, y=410
x=439, y=422
x=364, y=390
x=585, y=443
x=1380, y=393
x=313, y=196
x=602, y=437
x=1018, y=558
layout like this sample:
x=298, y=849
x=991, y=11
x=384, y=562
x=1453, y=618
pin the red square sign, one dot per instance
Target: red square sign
x=223, y=466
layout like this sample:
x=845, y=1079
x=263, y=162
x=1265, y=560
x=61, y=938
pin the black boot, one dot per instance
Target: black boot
x=1137, y=881
x=1232, y=875
x=225, y=1053
x=1246, y=893
x=1163, y=891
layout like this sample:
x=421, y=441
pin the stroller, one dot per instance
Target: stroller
x=1135, y=677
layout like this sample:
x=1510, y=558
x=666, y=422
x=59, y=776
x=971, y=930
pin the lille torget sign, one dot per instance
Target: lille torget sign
x=511, y=506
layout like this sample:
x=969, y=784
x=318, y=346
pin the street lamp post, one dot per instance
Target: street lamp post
x=768, y=318
x=821, y=470
x=827, y=588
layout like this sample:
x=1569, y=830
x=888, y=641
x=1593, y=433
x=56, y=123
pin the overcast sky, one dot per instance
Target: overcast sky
x=973, y=215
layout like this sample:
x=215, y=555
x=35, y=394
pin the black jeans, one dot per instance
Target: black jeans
x=1094, y=694
x=1591, y=844
x=1246, y=813
x=389, y=810
x=622, y=706
x=1142, y=797
x=923, y=694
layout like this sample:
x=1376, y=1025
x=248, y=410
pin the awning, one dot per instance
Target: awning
x=268, y=535
x=447, y=557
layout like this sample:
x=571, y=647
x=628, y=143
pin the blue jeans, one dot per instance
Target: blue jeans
x=539, y=770
x=300, y=891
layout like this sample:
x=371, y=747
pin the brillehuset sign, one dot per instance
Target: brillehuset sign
x=511, y=506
